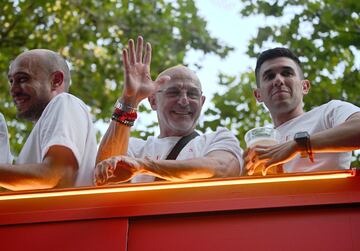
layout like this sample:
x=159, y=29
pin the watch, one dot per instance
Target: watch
x=124, y=107
x=302, y=139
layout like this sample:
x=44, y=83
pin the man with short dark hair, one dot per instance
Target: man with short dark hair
x=317, y=140
x=60, y=150
x=177, y=98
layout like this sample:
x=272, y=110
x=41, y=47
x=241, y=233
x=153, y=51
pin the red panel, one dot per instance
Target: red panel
x=291, y=229
x=75, y=235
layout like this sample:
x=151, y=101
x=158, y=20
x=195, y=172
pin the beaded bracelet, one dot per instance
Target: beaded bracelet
x=124, y=114
x=124, y=122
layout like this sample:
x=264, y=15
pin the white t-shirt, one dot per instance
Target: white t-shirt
x=5, y=155
x=159, y=148
x=318, y=119
x=65, y=121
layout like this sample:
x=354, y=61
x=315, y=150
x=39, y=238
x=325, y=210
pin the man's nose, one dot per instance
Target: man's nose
x=278, y=80
x=183, y=98
x=14, y=88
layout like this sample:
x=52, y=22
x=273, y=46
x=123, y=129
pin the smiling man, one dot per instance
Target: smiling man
x=60, y=149
x=318, y=140
x=176, y=96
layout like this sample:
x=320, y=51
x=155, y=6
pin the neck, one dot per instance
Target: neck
x=281, y=118
x=175, y=134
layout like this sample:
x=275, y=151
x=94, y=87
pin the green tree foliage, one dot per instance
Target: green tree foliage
x=90, y=35
x=237, y=109
x=326, y=36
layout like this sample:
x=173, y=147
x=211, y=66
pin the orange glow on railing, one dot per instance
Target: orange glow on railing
x=170, y=185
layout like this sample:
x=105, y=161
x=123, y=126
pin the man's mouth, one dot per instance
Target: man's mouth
x=277, y=92
x=182, y=113
x=21, y=100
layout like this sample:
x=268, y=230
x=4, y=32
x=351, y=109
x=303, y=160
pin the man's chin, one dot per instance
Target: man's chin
x=183, y=129
x=24, y=115
x=28, y=115
x=32, y=112
x=280, y=103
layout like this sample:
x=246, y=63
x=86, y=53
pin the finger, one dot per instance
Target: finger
x=139, y=49
x=132, y=51
x=257, y=166
x=250, y=168
x=96, y=178
x=264, y=170
x=250, y=160
x=147, y=56
x=248, y=165
x=110, y=170
x=162, y=80
x=271, y=163
x=113, y=166
x=250, y=156
x=250, y=172
x=125, y=58
x=99, y=177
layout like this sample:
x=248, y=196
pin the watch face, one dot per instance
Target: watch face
x=300, y=135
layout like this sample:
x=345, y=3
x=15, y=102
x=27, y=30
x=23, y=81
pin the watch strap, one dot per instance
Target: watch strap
x=302, y=139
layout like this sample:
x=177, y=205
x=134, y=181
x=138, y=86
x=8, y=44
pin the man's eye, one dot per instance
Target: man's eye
x=22, y=79
x=193, y=94
x=172, y=93
x=286, y=73
x=269, y=76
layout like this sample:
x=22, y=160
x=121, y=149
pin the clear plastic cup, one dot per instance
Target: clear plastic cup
x=264, y=136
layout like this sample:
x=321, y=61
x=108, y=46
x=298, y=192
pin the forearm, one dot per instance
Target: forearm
x=198, y=168
x=345, y=137
x=28, y=176
x=115, y=141
x=137, y=87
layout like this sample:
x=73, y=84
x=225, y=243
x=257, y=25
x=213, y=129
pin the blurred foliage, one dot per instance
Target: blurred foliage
x=324, y=34
x=90, y=35
x=237, y=109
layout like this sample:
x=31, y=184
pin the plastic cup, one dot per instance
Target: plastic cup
x=264, y=136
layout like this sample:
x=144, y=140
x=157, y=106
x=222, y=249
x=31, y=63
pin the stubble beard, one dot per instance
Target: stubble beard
x=34, y=112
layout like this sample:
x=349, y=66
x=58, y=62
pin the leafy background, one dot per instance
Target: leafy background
x=90, y=35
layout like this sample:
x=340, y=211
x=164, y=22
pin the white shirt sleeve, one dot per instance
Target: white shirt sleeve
x=5, y=155
x=67, y=122
x=61, y=127
x=338, y=112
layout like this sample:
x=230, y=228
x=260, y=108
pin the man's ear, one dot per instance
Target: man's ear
x=257, y=95
x=152, y=101
x=203, y=98
x=306, y=85
x=57, y=79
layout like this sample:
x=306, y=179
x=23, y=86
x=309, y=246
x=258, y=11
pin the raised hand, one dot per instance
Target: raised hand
x=138, y=82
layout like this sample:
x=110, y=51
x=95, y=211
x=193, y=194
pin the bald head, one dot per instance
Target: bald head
x=181, y=72
x=35, y=78
x=47, y=61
